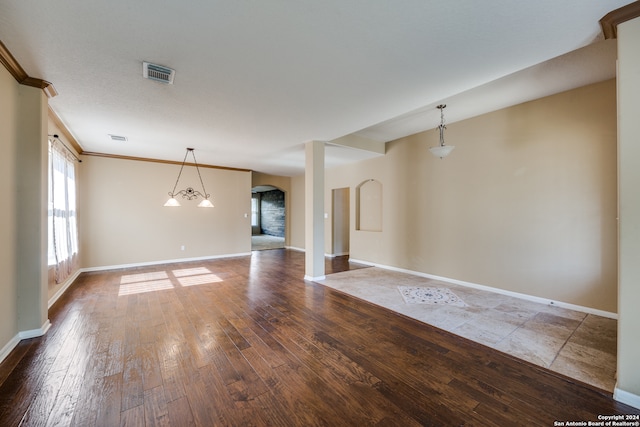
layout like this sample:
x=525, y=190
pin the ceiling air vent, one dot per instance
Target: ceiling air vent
x=117, y=137
x=158, y=73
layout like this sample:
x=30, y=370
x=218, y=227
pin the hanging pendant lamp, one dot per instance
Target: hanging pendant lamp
x=442, y=150
x=189, y=193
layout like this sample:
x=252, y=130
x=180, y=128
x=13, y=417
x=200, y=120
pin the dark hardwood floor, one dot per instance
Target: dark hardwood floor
x=245, y=341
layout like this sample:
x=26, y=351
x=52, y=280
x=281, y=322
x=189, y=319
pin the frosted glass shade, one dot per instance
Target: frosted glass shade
x=172, y=202
x=205, y=204
x=442, y=150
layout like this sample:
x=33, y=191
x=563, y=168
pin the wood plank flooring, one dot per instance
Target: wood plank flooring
x=245, y=341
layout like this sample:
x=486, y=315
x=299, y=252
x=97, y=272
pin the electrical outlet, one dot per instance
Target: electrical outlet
x=182, y=248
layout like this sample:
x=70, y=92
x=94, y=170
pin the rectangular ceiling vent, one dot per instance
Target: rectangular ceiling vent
x=158, y=73
x=117, y=137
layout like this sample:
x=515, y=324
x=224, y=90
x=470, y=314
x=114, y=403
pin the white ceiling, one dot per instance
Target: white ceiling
x=255, y=80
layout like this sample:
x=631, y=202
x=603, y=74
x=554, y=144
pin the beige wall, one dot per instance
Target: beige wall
x=23, y=217
x=525, y=203
x=123, y=221
x=629, y=160
x=8, y=137
x=31, y=205
x=283, y=183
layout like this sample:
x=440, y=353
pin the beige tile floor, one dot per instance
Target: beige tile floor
x=573, y=343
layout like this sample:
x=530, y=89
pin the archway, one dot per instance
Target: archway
x=267, y=217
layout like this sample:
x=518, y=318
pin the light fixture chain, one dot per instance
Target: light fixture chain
x=179, y=174
x=206, y=195
x=441, y=150
x=442, y=126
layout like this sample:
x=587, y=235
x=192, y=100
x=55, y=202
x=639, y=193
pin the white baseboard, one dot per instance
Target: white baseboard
x=4, y=351
x=64, y=287
x=33, y=333
x=338, y=254
x=166, y=261
x=307, y=277
x=23, y=335
x=540, y=300
x=626, y=397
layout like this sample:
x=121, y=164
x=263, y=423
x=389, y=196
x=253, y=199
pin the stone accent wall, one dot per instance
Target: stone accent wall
x=272, y=213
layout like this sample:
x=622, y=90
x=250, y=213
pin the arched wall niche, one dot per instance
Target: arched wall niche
x=369, y=206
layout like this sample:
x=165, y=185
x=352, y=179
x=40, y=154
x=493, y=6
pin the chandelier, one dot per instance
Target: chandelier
x=189, y=193
x=442, y=150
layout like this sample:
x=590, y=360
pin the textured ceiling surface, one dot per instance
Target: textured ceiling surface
x=255, y=80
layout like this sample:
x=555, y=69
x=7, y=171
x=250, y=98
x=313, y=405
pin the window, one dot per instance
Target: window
x=62, y=221
x=255, y=210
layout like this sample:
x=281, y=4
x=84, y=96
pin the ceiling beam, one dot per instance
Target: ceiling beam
x=360, y=143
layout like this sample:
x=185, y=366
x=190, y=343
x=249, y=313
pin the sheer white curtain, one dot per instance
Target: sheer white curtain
x=63, y=228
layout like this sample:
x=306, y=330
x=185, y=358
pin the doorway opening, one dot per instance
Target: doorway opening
x=267, y=218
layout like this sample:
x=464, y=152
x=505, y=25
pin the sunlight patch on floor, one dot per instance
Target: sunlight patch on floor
x=143, y=277
x=162, y=280
x=199, y=280
x=190, y=271
x=146, y=286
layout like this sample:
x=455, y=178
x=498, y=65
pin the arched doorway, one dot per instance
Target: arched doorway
x=267, y=218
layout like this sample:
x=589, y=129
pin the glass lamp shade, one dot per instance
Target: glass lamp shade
x=442, y=150
x=205, y=204
x=172, y=202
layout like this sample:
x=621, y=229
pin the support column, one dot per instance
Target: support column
x=31, y=212
x=314, y=211
x=628, y=387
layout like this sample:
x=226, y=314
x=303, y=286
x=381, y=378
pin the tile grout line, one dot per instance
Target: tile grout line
x=515, y=330
x=567, y=340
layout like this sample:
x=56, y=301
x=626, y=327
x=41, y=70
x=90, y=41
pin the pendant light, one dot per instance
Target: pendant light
x=442, y=150
x=189, y=193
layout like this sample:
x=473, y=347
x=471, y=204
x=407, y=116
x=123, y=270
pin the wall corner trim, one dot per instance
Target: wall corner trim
x=168, y=162
x=21, y=76
x=609, y=23
x=34, y=333
x=64, y=130
x=64, y=288
x=23, y=335
x=626, y=397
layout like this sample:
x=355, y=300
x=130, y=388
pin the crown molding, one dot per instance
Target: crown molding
x=611, y=20
x=21, y=76
x=169, y=162
x=64, y=131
